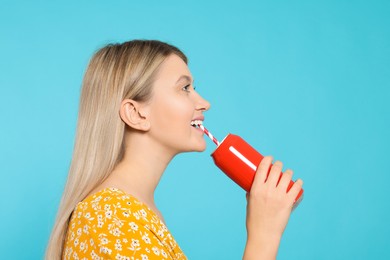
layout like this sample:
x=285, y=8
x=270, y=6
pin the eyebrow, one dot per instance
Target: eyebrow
x=185, y=77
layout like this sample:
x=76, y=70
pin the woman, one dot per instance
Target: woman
x=137, y=110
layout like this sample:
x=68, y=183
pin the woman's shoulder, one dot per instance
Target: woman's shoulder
x=108, y=199
x=112, y=223
x=110, y=196
x=114, y=204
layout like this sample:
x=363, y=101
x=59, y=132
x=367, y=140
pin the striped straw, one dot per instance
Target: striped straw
x=209, y=134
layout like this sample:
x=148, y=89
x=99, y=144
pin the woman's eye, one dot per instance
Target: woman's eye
x=186, y=88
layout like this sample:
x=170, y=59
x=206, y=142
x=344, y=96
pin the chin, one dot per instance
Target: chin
x=200, y=148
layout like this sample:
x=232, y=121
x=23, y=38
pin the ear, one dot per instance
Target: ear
x=131, y=115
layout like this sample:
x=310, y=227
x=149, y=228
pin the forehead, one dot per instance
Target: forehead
x=172, y=69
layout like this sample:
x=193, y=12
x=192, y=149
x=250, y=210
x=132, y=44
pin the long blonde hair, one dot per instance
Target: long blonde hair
x=115, y=72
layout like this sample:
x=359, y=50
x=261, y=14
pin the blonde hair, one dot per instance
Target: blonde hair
x=115, y=72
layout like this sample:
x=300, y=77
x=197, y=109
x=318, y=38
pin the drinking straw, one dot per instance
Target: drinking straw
x=209, y=134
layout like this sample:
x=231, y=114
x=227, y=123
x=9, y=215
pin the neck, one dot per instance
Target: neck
x=140, y=170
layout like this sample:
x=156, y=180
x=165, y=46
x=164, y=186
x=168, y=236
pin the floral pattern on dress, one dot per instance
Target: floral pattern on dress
x=111, y=224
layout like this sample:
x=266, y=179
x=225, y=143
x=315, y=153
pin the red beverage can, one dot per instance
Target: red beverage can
x=239, y=161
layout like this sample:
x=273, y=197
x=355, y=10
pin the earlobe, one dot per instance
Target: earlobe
x=146, y=125
x=131, y=115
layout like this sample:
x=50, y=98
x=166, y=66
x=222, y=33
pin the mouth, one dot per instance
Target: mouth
x=196, y=123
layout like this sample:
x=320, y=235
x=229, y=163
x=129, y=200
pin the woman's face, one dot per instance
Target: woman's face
x=173, y=106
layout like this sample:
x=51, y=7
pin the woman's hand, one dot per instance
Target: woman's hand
x=268, y=209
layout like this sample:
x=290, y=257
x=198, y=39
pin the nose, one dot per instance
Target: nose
x=201, y=103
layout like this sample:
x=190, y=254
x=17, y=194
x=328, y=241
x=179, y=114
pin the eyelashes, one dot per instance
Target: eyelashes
x=186, y=88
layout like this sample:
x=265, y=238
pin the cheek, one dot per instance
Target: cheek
x=172, y=114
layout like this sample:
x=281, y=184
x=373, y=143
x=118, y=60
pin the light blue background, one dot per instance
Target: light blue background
x=305, y=81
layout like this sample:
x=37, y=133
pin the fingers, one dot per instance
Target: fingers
x=285, y=179
x=274, y=174
x=295, y=189
x=271, y=176
x=262, y=171
x=284, y=183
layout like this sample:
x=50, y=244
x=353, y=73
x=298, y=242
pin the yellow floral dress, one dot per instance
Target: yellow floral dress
x=111, y=224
